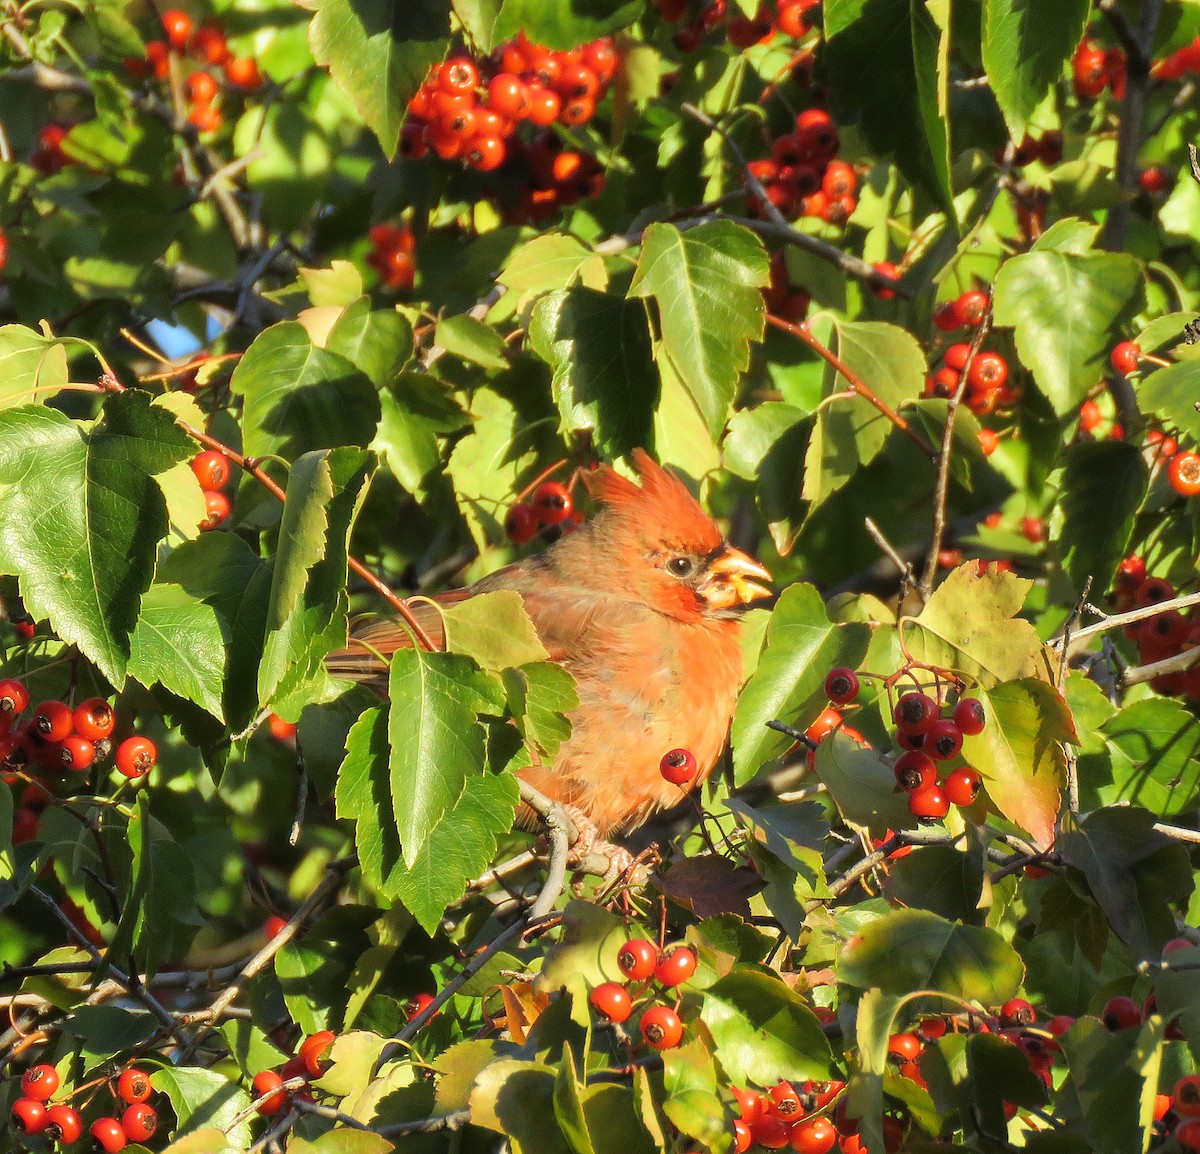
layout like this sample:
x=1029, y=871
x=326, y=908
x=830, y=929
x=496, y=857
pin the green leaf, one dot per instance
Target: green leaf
x=1159, y=741
x=203, y=1098
x=307, y=610
x=540, y=694
x=107, y=1030
x=1170, y=394
x=971, y=624
x=378, y=342
x=516, y=1099
x=605, y=379
x=29, y=361
x=363, y=795
x=706, y=284
x=862, y=784
x=1020, y=753
x=910, y=950
x=1025, y=47
x=494, y=630
x=179, y=642
x=470, y=340
x=416, y=409
x=896, y=97
x=1063, y=307
x=850, y=432
x=379, y=53
x=83, y=517
x=1133, y=871
x=549, y=262
x=1178, y=993
x=566, y=24
x=788, y=684
x=939, y=878
x=313, y=970
x=1104, y=484
x=300, y=397
x=764, y=1030
x=437, y=742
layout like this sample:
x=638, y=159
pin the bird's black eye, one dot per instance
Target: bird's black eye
x=681, y=567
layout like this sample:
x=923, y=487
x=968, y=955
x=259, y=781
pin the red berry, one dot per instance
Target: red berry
x=506, y=94
x=889, y=270
x=178, y=27
x=1186, y=1097
x=784, y=1101
x=139, y=1122
x=52, y=721
x=1183, y=473
x=1121, y=1013
x=208, y=44
x=1017, y=1012
x=742, y=1138
x=612, y=1001
x=521, y=524
x=418, y=1004
x=678, y=766
x=543, y=107
x=202, y=88
x=313, y=1050
x=266, y=1083
x=1187, y=1134
x=904, y=1047
x=969, y=716
x=133, y=1086
x=552, y=503
x=1089, y=415
x=485, y=153
x=1125, y=358
x=914, y=771
x=962, y=786
x=988, y=371
x=819, y=134
x=989, y=440
x=29, y=1115
x=272, y=926
x=661, y=1028
x=217, y=510
x=14, y=697
x=242, y=72
x=972, y=307
x=676, y=967
x=813, y=1137
x=40, y=1082
x=135, y=756
x=1155, y=179
x=750, y=1104
x=841, y=685
x=1153, y=590
x=108, y=1135
x=94, y=719
x=770, y=1131
x=212, y=469
x=63, y=1124
x=943, y=740
x=76, y=752
x=458, y=76
x=915, y=712
x=929, y=804
x=637, y=959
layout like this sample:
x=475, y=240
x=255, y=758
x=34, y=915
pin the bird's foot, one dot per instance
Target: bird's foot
x=589, y=849
x=586, y=835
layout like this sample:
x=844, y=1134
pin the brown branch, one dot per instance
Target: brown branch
x=801, y=332
x=1179, y=663
x=1117, y=620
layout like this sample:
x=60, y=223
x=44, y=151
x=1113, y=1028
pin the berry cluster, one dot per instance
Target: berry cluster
x=1179, y=63
x=468, y=110
x=988, y=390
x=558, y=176
x=1163, y=635
x=391, y=255
x=803, y=176
x=48, y=157
x=551, y=504
x=786, y=1114
x=310, y=1061
x=56, y=737
x=782, y=298
x=214, y=471
x=1048, y=148
x=792, y=18
x=206, y=45
x=966, y=311
x=642, y=962
x=1094, y=69
x=33, y=1114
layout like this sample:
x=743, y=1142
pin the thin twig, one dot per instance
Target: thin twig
x=451, y=1121
x=1117, y=620
x=562, y=833
x=889, y=551
x=1179, y=663
x=1179, y=833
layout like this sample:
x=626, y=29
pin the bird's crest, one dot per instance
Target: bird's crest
x=661, y=502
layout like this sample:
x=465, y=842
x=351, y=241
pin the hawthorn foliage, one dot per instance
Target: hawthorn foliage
x=301, y=304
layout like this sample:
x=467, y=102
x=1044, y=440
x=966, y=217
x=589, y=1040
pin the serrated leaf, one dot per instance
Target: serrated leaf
x=547, y=263
x=1062, y=307
x=1025, y=47
x=788, y=684
x=566, y=24
x=107, y=1030
x=706, y=284
x=1160, y=769
x=1020, y=753
x=83, y=517
x=1170, y=394
x=970, y=623
x=862, y=784
x=540, y=694
x=764, y=1031
x=910, y=950
x=203, y=1098
x=1104, y=484
x=605, y=378
x=494, y=630
x=379, y=53
x=179, y=642
x=28, y=362
x=299, y=397
x=437, y=743
x=378, y=342
x=470, y=340
x=850, y=432
x=415, y=410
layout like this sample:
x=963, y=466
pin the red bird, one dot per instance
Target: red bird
x=641, y=605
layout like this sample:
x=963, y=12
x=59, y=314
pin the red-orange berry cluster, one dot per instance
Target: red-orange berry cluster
x=803, y=176
x=1094, y=69
x=214, y=471
x=930, y=741
x=1048, y=148
x=205, y=45
x=794, y=18
x=643, y=963
x=1163, y=635
x=551, y=504
x=966, y=311
x=988, y=389
x=470, y=109
x=787, y=1114
x=33, y=1113
x=310, y=1061
x=782, y=298
x=391, y=255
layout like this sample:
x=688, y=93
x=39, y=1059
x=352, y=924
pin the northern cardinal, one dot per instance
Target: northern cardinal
x=641, y=605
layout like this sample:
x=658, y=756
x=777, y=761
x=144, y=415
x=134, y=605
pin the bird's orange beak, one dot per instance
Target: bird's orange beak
x=731, y=580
